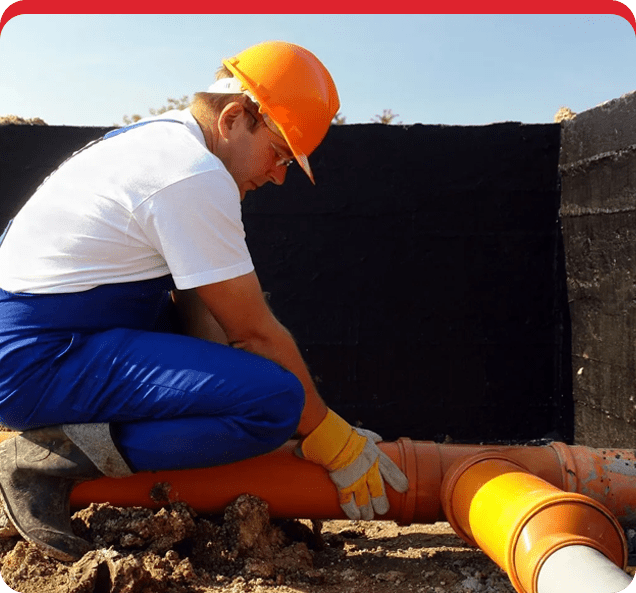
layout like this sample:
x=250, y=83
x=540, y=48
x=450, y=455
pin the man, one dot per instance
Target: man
x=146, y=217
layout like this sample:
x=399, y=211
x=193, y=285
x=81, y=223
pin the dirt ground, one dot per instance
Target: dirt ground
x=175, y=551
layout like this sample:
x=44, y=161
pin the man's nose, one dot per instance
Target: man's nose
x=278, y=173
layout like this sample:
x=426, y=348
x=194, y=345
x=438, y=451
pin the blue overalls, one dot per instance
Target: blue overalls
x=173, y=401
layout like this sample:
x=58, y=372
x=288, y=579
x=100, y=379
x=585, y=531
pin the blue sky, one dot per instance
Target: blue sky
x=432, y=69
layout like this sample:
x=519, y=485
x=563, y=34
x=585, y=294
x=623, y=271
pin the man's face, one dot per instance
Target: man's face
x=255, y=156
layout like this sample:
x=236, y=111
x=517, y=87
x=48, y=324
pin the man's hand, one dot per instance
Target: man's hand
x=356, y=466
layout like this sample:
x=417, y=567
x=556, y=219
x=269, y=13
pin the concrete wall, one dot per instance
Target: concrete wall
x=598, y=167
x=422, y=276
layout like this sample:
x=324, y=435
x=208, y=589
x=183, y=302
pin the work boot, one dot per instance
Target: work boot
x=38, y=470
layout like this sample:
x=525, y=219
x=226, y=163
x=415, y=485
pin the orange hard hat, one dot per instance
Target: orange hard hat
x=293, y=88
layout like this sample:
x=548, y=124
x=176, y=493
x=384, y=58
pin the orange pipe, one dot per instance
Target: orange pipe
x=292, y=487
x=297, y=488
x=519, y=520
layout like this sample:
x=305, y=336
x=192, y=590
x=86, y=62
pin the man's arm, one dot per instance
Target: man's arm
x=355, y=464
x=240, y=308
x=195, y=318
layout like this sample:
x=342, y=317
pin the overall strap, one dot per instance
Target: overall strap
x=118, y=131
x=6, y=230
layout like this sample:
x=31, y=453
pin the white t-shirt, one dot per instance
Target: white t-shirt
x=146, y=203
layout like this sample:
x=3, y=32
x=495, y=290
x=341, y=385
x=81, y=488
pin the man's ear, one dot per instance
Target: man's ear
x=229, y=118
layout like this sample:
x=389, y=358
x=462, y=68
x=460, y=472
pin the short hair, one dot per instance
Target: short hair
x=216, y=102
x=223, y=72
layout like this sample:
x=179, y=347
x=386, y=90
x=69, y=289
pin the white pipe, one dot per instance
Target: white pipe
x=581, y=569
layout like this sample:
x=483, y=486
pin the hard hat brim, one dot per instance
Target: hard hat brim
x=300, y=157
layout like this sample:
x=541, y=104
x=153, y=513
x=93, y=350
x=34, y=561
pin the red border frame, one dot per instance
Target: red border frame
x=291, y=7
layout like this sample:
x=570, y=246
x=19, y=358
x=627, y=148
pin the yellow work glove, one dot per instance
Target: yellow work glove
x=356, y=466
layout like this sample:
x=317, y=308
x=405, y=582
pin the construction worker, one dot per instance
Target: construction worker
x=136, y=225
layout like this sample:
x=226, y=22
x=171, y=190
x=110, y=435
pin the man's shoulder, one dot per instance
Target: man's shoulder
x=169, y=145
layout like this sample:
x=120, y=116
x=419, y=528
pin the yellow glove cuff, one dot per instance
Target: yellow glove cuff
x=327, y=440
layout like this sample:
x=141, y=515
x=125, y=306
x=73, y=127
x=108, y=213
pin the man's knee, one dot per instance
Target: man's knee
x=286, y=412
